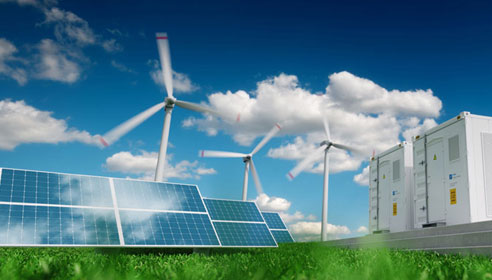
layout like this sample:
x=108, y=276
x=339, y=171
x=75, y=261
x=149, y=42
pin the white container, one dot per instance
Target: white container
x=391, y=190
x=453, y=172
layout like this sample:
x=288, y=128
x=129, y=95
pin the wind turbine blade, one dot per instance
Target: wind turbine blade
x=122, y=129
x=197, y=108
x=221, y=154
x=350, y=149
x=308, y=161
x=167, y=73
x=259, y=189
x=276, y=128
x=327, y=127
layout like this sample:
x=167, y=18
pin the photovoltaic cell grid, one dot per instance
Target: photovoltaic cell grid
x=239, y=223
x=51, y=209
x=157, y=196
x=277, y=227
x=244, y=234
x=161, y=228
x=282, y=236
x=232, y=210
x=273, y=220
x=30, y=225
x=51, y=188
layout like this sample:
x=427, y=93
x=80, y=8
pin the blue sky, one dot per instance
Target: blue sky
x=392, y=70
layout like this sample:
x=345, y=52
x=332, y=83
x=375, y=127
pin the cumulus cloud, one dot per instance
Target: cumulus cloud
x=364, y=96
x=21, y=123
x=363, y=178
x=69, y=27
x=276, y=204
x=361, y=113
x=57, y=60
x=8, y=61
x=181, y=82
x=311, y=231
x=362, y=229
x=144, y=164
x=297, y=216
x=418, y=129
x=55, y=63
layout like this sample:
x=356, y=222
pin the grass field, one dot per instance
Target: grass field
x=289, y=261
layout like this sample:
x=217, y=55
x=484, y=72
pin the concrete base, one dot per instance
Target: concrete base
x=475, y=238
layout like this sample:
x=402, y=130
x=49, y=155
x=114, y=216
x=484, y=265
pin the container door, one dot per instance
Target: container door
x=420, y=194
x=384, y=195
x=435, y=181
x=373, y=196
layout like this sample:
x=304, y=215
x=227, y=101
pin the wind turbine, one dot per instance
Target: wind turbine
x=308, y=161
x=169, y=102
x=247, y=159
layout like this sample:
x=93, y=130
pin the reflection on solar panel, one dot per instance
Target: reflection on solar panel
x=157, y=196
x=282, y=236
x=239, y=223
x=161, y=228
x=52, y=209
x=30, y=225
x=277, y=227
x=50, y=188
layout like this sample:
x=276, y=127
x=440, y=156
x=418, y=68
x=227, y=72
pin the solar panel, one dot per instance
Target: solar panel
x=232, y=210
x=53, y=209
x=42, y=225
x=51, y=188
x=277, y=227
x=273, y=220
x=157, y=196
x=244, y=234
x=239, y=223
x=161, y=228
x=282, y=236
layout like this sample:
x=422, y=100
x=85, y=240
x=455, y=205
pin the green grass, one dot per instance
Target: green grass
x=289, y=261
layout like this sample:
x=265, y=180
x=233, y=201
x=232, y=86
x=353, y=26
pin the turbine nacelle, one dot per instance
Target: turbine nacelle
x=328, y=144
x=170, y=101
x=247, y=157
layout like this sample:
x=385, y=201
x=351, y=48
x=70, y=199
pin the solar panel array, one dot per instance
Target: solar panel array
x=52, y=209
x=277, y=227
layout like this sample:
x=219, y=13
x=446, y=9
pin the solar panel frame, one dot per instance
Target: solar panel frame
x=247, y=222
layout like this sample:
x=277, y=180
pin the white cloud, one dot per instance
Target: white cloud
x=276, y=204
x=121, y=67
x=362, y=229
x=181, y=82
x=69, y=27
x=363, y=178
x=7, y=59
x=55, y=63
x=21, y=123
x=418, y=129
x=112, y=46
x=361, y=113
x=205, y=171
x=144, y=165
x=297, y=216
x=310, y=231
x=364, y=96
